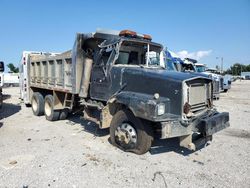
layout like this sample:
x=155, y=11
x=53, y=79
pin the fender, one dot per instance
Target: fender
x=142, y=105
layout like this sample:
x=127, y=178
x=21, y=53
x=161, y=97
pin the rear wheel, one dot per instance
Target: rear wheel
x=130, y=133
x=37, y=104
x=50, y=113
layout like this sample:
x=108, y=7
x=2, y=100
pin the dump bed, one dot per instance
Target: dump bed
x=51, y=72
x=67, y=72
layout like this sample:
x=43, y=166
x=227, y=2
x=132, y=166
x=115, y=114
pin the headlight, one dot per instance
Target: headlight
x=160, y=109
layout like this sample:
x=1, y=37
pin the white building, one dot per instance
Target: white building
x=245, y=74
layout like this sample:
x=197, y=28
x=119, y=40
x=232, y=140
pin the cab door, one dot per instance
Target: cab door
x=101, y=75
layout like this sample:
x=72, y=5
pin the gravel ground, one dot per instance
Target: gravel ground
x=73, y=153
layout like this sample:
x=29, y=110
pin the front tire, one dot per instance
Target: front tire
x=129, y=133
x=63, y=114
x=37, y=104
x=50, y=113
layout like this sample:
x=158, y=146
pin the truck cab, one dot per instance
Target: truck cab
x=201, y=68
x=215, y=73
x=127, y=76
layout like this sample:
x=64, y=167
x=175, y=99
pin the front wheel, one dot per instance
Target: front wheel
x=130, y=133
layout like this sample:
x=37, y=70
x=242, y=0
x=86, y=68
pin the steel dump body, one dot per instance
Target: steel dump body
x=67, y=72
x=52, y=72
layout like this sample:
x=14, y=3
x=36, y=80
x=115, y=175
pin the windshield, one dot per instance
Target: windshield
x=170, y=64
x=136, y=53
x=200, y=68
x=153, y=58
x=167, y=62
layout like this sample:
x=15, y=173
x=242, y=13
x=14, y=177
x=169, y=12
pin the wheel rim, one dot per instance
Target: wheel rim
x=126, y=136
x=47, y=108
x=34, y=105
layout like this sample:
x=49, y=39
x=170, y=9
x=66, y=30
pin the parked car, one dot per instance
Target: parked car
x=227, y=81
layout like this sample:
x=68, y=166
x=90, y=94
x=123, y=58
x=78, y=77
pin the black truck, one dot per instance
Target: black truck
x=116, y=78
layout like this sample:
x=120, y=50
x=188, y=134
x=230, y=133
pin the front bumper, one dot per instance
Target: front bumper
x=216, y=95
x=213, y=124
x=206, y=125
x=226, y=86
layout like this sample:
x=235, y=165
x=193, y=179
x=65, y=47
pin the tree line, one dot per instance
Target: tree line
x=237, y=68
x=13, y=68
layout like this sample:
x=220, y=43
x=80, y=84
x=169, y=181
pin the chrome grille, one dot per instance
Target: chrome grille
x=197, y=97
x=221, y=83
x=216, y=86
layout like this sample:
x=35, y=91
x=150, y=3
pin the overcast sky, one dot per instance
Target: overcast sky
x=198, y=29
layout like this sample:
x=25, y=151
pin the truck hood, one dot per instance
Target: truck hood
x=165, y=74
x=214, y=76
x=168, y=84
x=199, y=74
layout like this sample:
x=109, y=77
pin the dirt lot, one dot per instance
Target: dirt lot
x=73, y=153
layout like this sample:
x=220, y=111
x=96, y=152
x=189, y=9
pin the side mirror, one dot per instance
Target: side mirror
x=1, y=66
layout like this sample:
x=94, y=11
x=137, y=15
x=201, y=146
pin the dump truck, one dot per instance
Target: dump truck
x=112, y=77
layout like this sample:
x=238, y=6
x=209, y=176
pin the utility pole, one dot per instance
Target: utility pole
x=221, y=66
x=240, y=70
